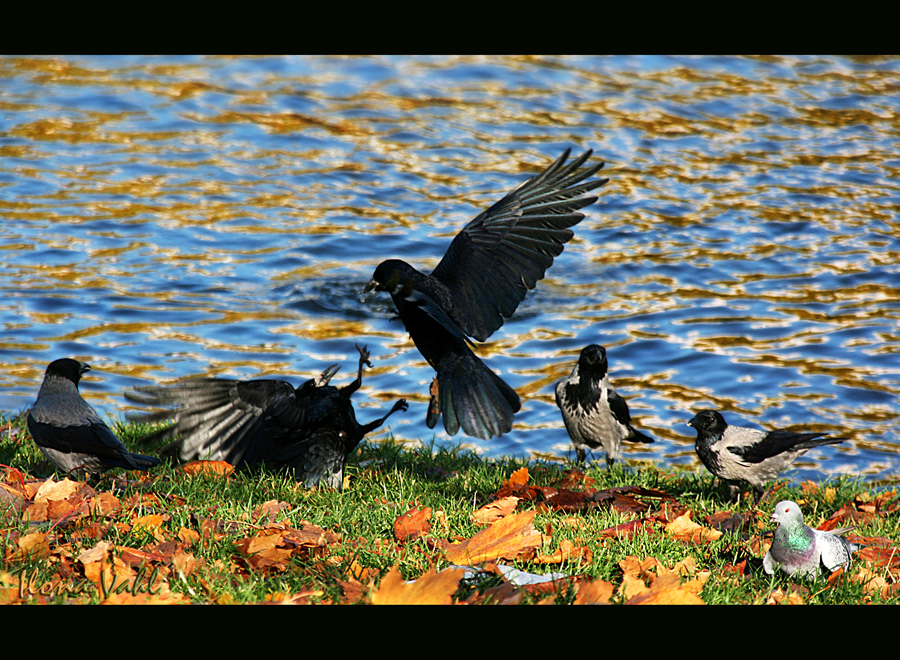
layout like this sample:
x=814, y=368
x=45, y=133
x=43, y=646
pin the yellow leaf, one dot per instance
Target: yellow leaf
x=509, y=538
x=430, y=589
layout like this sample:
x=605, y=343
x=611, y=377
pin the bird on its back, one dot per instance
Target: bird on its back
x=480, y=281
x=69, y=432
x=802, y=551
x=594, y=413
x=310, y=430
x=737, y=454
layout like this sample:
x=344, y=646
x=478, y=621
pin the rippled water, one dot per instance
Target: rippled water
x=171, y=216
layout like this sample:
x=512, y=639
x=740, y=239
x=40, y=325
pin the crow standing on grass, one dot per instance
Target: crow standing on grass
x=69, y=432
x=736, y=454
x=484, y=275
x=310, y=430
x=594, y=414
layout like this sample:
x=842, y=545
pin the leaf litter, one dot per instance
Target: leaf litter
x=73, y=550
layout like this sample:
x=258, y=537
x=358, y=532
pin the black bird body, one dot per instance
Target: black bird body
x=309, y=430
x=69, y=432
x=739, y=454
x=480, y=281
x=594, y=413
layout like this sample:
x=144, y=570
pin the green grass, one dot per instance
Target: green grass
x=387, y=479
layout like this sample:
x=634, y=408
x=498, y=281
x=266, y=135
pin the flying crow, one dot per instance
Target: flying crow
x=484, y=275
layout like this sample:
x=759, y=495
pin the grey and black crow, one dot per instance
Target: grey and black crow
x=738, y=454
x=480, y=281
x=594, y=414
x=69, y=432
x=310, y=430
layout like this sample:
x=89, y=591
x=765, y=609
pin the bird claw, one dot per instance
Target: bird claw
x=323, y=378
x=363, y=356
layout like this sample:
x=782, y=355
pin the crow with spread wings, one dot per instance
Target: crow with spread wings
x=484, y=275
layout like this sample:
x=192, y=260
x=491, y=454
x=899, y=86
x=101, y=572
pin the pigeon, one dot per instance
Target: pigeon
x=737, y=454
x=70, y=433
x=480, y=281
x=310, y=430
x=594, y=414
x=803, y=551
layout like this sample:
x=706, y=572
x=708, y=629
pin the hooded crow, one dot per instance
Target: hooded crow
x=310, y=430
x=594, y=414
x=480, y=281
x=736, y=454
x=69, y=432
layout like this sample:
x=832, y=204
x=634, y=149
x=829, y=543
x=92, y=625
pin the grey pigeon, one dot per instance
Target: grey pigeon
x=594, y=414
x=68, y=430
x=802, y=551
x=309, y=431
x=737, y=454
x=479, y=282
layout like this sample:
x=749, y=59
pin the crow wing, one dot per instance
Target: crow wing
x=501, y=254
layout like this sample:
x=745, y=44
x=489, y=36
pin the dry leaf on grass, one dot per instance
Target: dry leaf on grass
x=510, y=537
x=648, y=582
x=221, y=468
x=495, y=510
x=685, y=529
x=412, y=524
x=430, y=589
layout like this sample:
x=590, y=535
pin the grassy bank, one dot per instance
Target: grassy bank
x=408, y=515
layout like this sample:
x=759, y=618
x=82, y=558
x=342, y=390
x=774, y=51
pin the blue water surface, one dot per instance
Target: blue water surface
x=170, y=216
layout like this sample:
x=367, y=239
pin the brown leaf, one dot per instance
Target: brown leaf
x=495, y=510
x=565, y=552
x=430, y=589
x=268, y=511
x=685, y=529
x=51, y=491
x=221, y=468
x=412, y=524
x=665, y=585
x=593, y=592
x=510, y=537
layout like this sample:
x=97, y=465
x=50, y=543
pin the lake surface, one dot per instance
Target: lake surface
x=163, y=217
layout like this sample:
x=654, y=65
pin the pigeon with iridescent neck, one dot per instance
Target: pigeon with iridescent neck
x=803, y=551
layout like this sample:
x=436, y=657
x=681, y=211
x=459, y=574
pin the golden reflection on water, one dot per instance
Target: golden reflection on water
x=152, y=199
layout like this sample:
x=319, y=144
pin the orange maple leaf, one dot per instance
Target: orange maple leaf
x=430, y=589
x=221, y=468
x=412, y=524
x=510, y=537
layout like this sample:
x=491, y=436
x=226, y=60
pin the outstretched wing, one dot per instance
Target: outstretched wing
x=501, y=254
x=217, y=419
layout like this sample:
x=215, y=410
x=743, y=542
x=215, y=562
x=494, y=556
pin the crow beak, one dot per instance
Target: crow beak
x=371, y=285
x=85, y=368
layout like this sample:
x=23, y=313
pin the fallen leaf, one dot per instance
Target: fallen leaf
x=412, y=524
x=495, y=510
x=685, y=529
x=221, y=468
x=430, y=589
x=593, y=592
x=56, y=490
x=510, y=537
